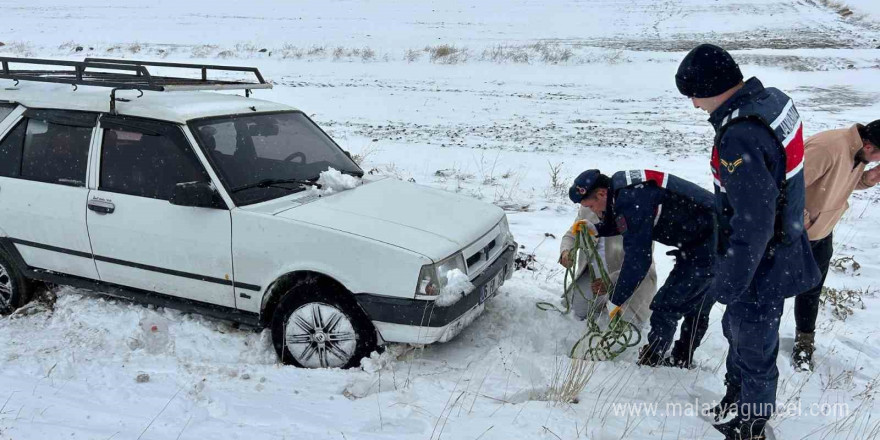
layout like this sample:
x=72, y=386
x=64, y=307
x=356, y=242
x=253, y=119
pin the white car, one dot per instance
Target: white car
x=207, y=202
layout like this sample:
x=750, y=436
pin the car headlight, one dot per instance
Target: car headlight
x=432, y=278
x=505, y=230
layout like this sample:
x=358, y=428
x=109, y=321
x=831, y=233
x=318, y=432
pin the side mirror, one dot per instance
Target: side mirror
x=196, y=195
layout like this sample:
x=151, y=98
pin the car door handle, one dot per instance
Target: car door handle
x=102, y=206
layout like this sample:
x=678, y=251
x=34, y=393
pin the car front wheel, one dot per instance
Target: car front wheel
x=13, y=286
x=317, y=325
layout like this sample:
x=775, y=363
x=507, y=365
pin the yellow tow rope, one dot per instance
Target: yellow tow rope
x=601, y=344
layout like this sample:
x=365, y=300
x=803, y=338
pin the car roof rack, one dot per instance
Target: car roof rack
x=126, y=74
x=119, y=74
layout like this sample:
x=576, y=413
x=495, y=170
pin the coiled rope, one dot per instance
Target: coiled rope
x=596, y=344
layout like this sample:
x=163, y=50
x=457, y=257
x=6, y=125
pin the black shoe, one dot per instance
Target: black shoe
x=722, y=413
x=682, y=355
x=681, y=358
x=730, y=429
x=751, y=430
x=650, y=358
x=802, y=354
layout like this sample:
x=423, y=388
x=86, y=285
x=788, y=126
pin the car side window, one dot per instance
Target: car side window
x=147, y=161
x=55, y=153
x=10, y=151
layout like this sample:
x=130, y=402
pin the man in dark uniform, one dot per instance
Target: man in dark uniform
x=763, y=251
x=646, y=206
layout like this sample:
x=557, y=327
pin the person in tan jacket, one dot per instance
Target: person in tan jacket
x=637, y=310
x=834, y=166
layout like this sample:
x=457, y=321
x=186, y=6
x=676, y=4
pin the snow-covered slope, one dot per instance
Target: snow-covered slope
x=869, y=7
x=523, y=87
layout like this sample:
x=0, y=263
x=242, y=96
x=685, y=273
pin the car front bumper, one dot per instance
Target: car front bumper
x=416, y=321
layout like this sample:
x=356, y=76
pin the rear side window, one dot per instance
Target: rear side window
x=147, y=163
x=55, y=153
x=10, y=151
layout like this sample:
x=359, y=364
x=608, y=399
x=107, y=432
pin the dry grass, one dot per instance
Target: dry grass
x=505, y=54
x=366, y=153
x=69, y=46
x=838, y=7
x=844, y=302
x=19, y=48
x=539, y=52
x=549, y=53
x=289, y=51
x=570, y=377
x=412, y=55
x=203, y=51
x=447, y=54
x=558, y=182
x=552, y=53
x=842, y=264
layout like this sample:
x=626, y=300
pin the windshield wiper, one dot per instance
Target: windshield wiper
x=274, y=183
x=359, y=174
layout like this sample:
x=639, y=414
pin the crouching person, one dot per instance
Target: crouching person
x=589, y=298
x=646, y=206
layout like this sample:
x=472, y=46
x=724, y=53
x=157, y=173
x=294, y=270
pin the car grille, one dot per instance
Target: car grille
x=483, y=252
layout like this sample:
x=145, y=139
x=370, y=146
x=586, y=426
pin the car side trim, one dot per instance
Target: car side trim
x=129, y=293
x=148, y=297
x=50, y=248
x=162, y=270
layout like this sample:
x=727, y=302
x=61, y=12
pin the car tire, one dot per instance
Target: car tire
x=14, y=287
x=318, y=324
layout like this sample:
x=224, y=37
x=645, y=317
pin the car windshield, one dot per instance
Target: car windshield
x=249, y=149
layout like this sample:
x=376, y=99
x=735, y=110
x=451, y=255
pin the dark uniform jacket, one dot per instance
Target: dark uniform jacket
x=764, y=254
x=647, y=206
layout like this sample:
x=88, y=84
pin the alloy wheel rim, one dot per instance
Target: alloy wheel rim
x=5, y=289
x=319, y=335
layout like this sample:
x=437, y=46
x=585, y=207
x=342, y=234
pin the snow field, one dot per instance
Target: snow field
x=490, y=126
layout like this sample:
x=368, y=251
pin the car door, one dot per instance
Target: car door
x=139, y=238
x=44, y=157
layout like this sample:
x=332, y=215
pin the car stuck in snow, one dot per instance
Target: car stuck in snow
x=163, y=193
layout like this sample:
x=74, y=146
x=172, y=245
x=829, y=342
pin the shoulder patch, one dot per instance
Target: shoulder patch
x=731, y=166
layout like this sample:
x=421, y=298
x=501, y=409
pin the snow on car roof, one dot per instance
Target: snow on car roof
x=177, y=107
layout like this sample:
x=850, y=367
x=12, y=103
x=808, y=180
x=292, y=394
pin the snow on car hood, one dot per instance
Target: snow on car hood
x=431, y=222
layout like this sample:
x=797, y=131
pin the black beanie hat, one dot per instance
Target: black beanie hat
x=871, y=132
x=707, y=71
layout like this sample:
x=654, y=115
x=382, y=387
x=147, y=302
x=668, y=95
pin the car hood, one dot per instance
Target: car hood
x=428, y=221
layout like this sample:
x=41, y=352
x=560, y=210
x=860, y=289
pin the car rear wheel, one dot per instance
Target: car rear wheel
x=13, y=286
x=318, y=325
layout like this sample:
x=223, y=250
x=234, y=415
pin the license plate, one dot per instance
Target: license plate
x=491, y=288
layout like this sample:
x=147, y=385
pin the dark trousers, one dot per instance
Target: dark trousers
x=753, y=333
x=693, y=328
x=684, y=294
x=806, y=305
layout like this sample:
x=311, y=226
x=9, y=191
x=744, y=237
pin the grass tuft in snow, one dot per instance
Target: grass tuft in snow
x=570, y=377
x=558, y=182
x=844, y=302
x=447, y=54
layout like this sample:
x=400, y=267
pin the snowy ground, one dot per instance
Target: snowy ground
x=522, y=87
